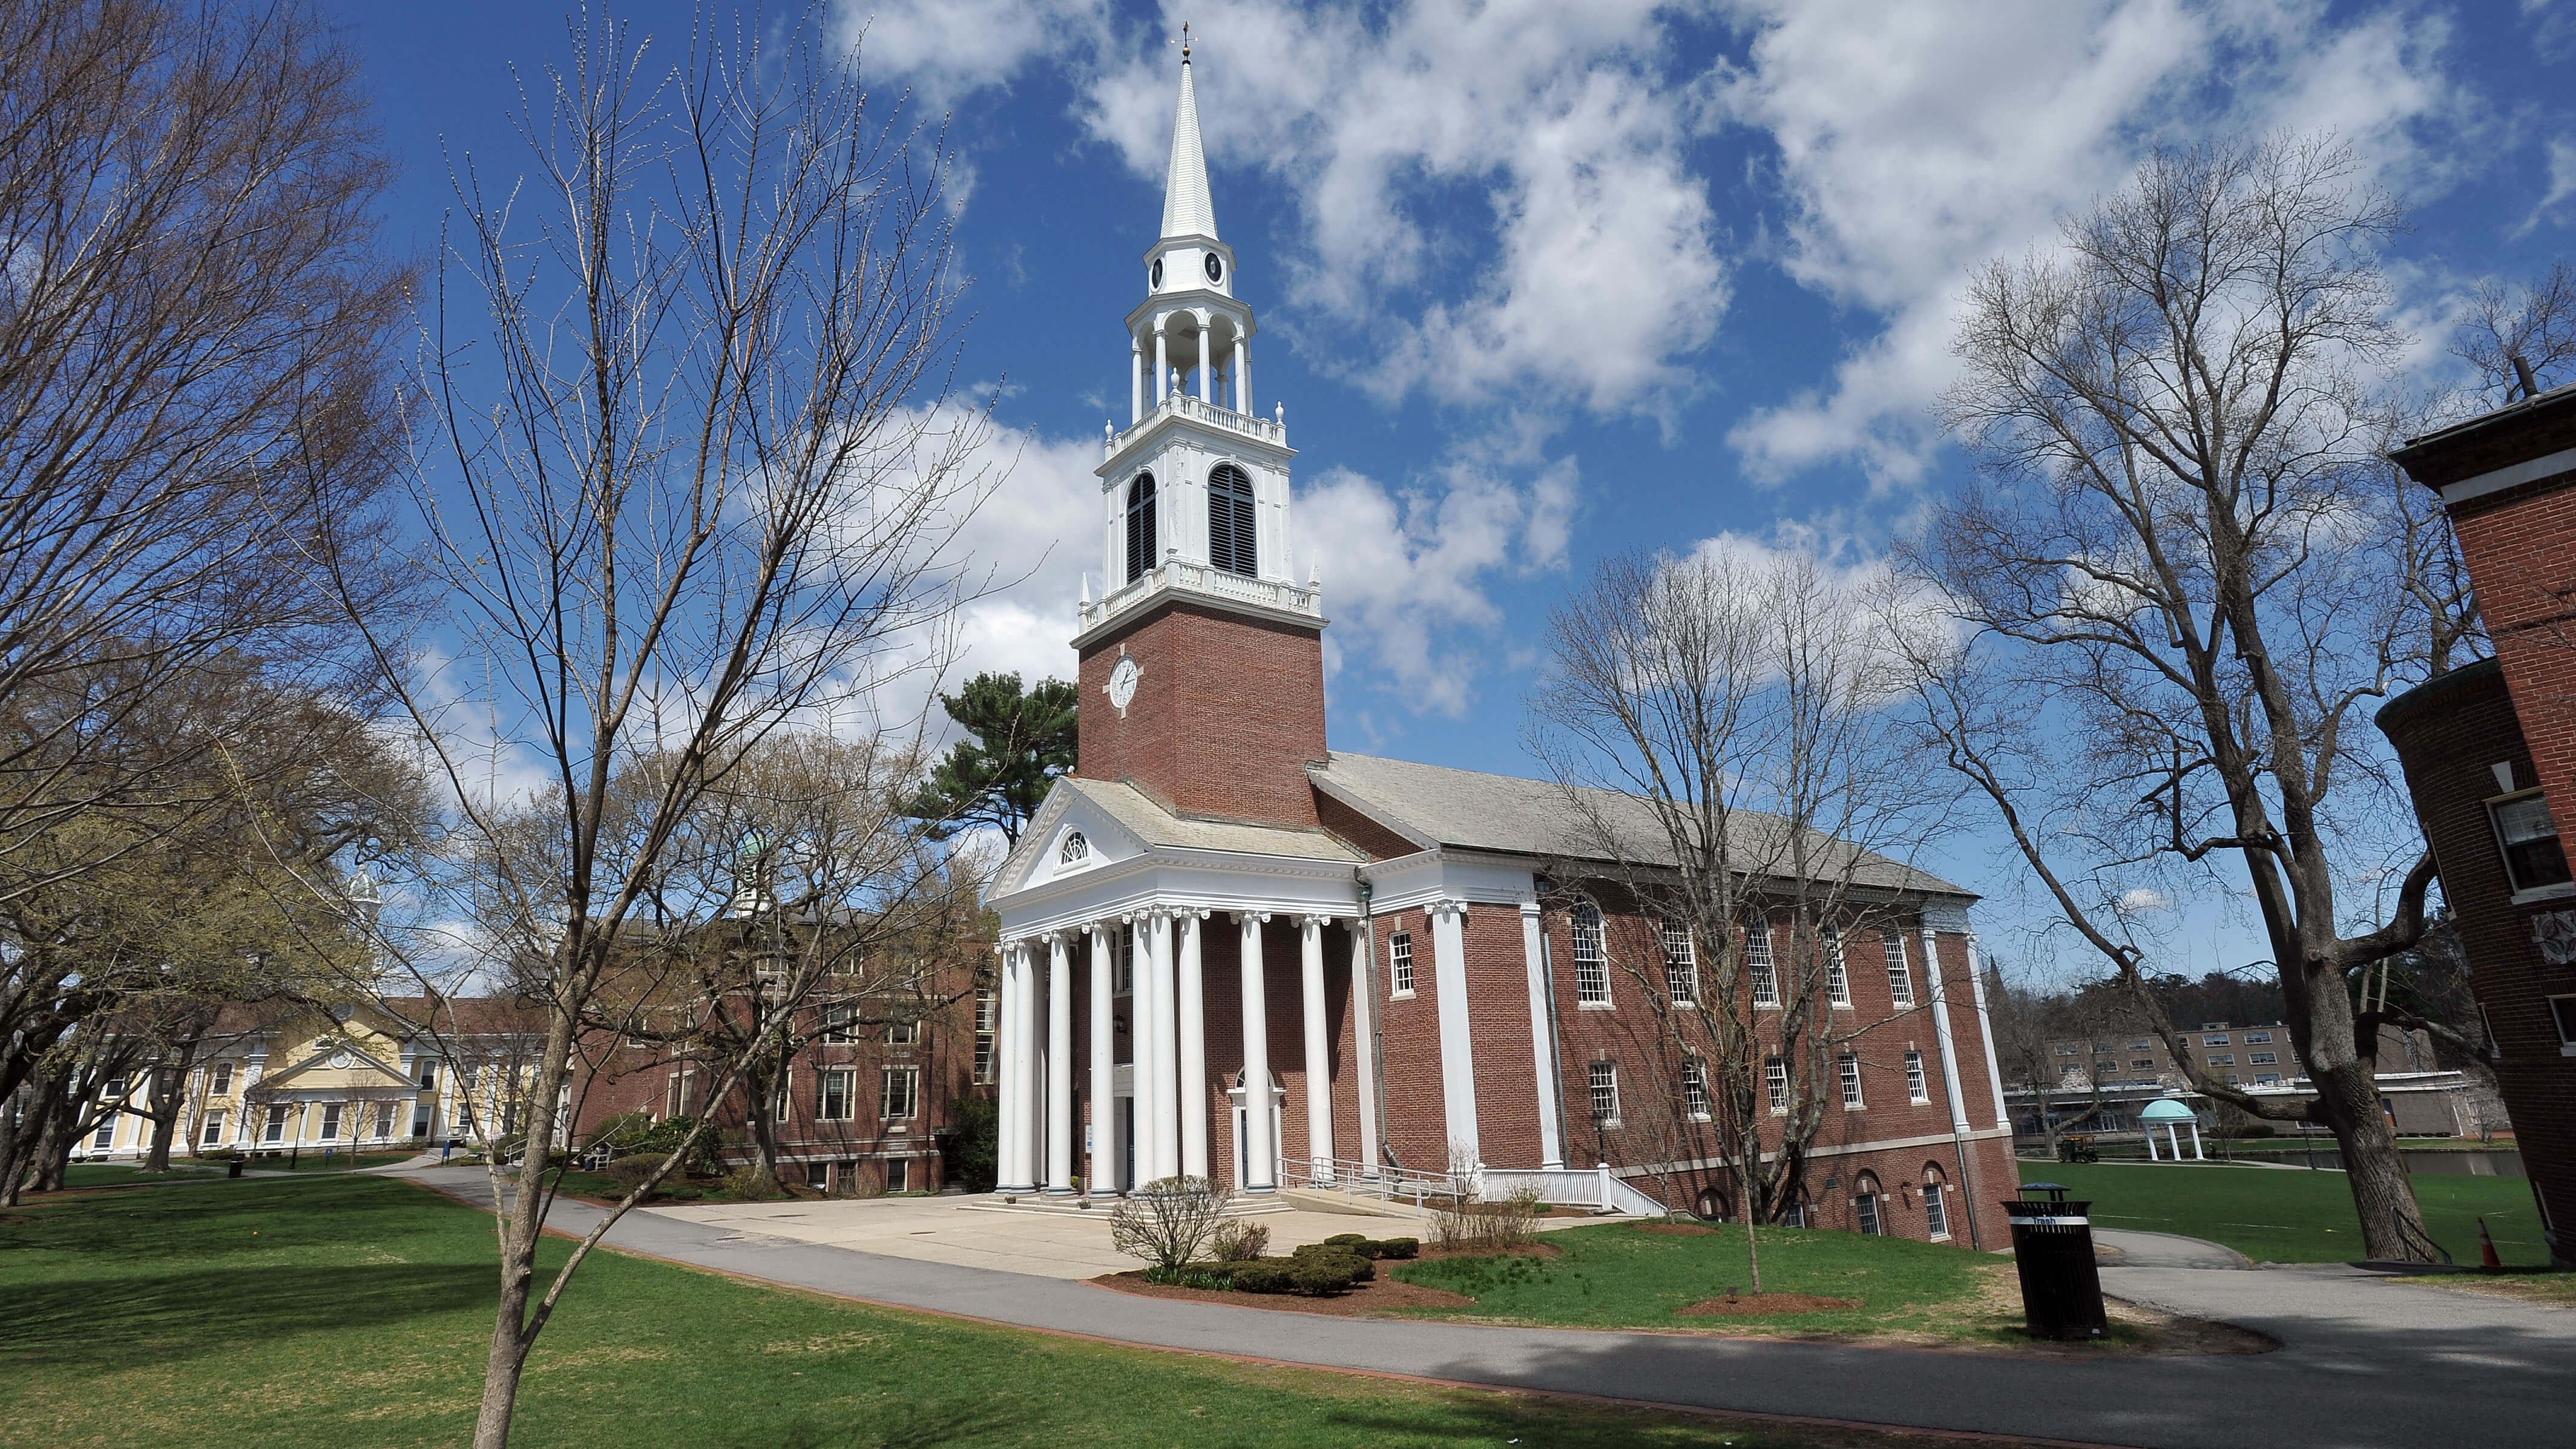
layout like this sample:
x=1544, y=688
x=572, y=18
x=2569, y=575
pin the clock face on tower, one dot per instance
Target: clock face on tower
x=1215, y=267
x=1155, y=279
x=1121, y=688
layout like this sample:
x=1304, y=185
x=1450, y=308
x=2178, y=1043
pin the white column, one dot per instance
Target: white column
x=1143, y=1075
x=1162, y=362
x=1135, y=381
x=1551, y=1133
x=1941, y=1031
x=1207, y=360
x=1364, y=1045
x=1192, y=1009
x=1243, y=375
x=1019, y=1063
x=1167, y=1052
x=2195, y=1141
x=1102, y=1175
x=1457, y=1045
x=1319, y=1047
x=1261, y=1153
x=1986, y=1033
x=1059, y=1119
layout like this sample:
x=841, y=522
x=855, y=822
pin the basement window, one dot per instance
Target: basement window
x=2562, y=1009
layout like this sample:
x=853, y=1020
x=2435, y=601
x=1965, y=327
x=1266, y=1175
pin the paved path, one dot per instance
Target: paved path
x=2369, y=1365
x=2167, y=1250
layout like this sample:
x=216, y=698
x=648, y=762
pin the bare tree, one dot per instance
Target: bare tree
x=1721, y=731
x=706, y=490
x=1167, y=1220
x=193, y=395
x=2521, y=340
x=2194, y=569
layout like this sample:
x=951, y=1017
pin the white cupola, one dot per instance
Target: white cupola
x=1194, y=493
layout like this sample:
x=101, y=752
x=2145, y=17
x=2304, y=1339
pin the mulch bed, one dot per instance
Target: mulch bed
x=1362, y=1300
x=1755, y=1303
x=1676, y=1230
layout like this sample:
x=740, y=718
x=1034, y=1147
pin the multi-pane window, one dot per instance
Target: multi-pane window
x=1775, y=1082
x=2213, y=1041
x=429, y=1076
x=1399, y=963
x=902, y=1092
x=1900, y=981
x=219, y=1080
x=832, y=1104
x=1605, y=1093
x=384, y=1120
x=1837, y=979
x=2223, y=1059
x=214, y=1132
x=2261, y=1059
x=1865, y=1203
x=988, y=1013
x=836, y=1023
x=2258, y=1038
x=331, y=1122
x=1074, y=848
x=1122, y=963
x=903, y=1033
x=1916, y=1089
x=1757, y=962
x=1695, y=1089
x=1936, y=1208
x=1681, y=963
x=1591, y=956
x=1847, y=1067
x=2142, y=1061
x=275, y=1130
x=2532, y=854
x=782, y=1107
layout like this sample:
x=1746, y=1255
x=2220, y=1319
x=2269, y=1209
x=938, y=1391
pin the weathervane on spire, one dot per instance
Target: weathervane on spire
x=1185, y=42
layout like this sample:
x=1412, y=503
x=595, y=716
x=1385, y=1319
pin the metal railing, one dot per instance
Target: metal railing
x=1358, y=1180
x=1593, y=1187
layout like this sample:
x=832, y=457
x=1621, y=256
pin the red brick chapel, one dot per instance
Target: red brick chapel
x=1230, y=951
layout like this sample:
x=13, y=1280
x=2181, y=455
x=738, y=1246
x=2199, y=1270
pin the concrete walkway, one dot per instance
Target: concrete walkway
x=2368, y=1364
x=2166, y=1250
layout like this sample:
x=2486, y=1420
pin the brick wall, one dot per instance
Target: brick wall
x=1226, y=716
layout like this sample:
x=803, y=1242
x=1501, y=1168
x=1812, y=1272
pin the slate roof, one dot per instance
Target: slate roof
x=1471, y=810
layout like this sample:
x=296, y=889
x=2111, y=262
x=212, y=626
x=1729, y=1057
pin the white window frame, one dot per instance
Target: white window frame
x=1900, y=976
x=988, y=1017
x=1918, y=1088
x=211, y=1132
x=910, y=1098
x=903, y=1033
x=844, y=1081
x=1759, y=964
x=1775, y=1085
x=1602, y=1080
x=1122, y=962
x=274, y=1129
x=1865, y=1207
x=783, y=1107
x=219, y=1080
x=1936, y=1209
x=1681, y=964
x=1837, y=972
x=1399, y=965
x=1847, y=1071
x=839, y=1019
x=332, y=1114
x=2504, y=848
x=1592, y=965
x=2258, y=1038
x=1695, y=1104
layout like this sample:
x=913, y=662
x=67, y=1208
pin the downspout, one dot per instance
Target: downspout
x=1377, y=1037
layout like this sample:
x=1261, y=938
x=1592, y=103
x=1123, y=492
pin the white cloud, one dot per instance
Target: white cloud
x=1917, y=142
x=2142, y=901
x=2562, y=184
x=949, y=49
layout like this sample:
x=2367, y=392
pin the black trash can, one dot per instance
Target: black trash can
x=235, y=1170
x=2061, y=1288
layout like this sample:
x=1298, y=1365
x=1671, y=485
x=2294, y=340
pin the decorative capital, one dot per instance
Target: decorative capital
x=1315, y=922
x=1447, y=906
x=1253, y=918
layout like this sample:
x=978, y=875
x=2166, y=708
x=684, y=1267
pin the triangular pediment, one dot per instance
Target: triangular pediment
x=339, y=1064
x=1067, y=811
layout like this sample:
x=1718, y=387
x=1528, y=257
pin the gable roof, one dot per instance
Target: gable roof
x=1151, y=826
x=1433, y=805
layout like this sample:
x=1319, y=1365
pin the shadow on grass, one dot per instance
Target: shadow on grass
x=217, y=1218
x=183, y=1315
x=898, y=1424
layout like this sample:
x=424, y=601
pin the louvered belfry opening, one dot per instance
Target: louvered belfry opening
x=1140, y=526
x=1231, y=545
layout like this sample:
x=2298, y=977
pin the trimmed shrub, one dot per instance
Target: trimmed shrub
x=1270, y=1275
x=1344, y=1240
x=752, y=1184
x=1325, y=1273
x=1360, y=1268
x=1399, y=1247
x=1239, y=1241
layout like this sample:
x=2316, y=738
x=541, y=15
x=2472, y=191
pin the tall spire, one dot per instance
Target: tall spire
x=1186, y=208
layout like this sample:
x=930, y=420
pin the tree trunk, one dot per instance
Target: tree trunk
x=1752, y=1255
x=2392, y=1227
x=509, y=1355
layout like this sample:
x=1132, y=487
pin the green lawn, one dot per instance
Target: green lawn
x=1627, y=1276
x=2272, y=1216
x=109, y=1174
x=342, y=1310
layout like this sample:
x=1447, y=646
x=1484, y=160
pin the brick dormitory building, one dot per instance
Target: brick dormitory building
x=2490, y=758
x=1231, y=951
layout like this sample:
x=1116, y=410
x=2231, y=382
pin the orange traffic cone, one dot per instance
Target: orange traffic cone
x=2486, y=1249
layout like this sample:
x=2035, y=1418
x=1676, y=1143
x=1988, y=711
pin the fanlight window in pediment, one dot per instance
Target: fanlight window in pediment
x=1075, y=849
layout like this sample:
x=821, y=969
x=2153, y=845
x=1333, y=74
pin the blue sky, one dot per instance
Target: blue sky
x=1542, y=282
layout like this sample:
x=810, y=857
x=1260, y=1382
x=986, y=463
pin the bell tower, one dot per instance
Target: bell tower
x=1202, y=661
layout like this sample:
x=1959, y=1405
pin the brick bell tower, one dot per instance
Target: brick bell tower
x=1202, y=662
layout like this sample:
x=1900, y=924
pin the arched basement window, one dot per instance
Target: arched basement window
x=1140, y=526
x=1231, y=544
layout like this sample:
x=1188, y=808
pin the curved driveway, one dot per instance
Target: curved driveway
x=2367, y=1364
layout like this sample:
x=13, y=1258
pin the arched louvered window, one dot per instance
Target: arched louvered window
x=1231, y=545
x=1141, y=545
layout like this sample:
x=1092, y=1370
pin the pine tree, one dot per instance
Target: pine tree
x=1018, y=741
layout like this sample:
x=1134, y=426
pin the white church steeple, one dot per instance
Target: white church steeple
x=1195, y=491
